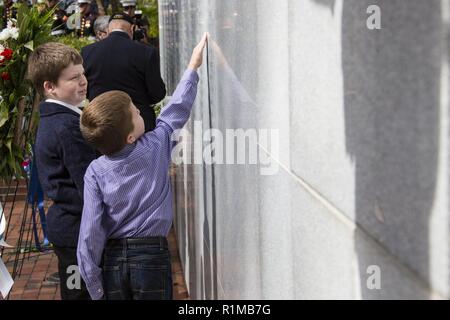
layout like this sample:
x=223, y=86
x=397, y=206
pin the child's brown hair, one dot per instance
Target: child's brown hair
x=47, y=62
x=107, y=121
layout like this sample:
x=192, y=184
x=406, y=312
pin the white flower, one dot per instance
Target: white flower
x=11, y=23
x=4, y=35
x=2, y=48
x=2, y=58
x=10, y=32
x=14, y=32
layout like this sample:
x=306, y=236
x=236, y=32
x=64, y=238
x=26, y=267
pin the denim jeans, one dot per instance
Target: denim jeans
x=137, y=271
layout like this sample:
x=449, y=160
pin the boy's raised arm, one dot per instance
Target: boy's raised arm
x=177, y=112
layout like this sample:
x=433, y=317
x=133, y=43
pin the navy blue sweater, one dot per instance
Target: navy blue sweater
x=62, y=157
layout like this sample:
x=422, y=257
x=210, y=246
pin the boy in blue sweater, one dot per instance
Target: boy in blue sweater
x=62, y=155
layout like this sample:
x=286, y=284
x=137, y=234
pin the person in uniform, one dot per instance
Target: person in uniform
x=87, y=19
x=9, y=12
x=140, y=22
x=119, y=63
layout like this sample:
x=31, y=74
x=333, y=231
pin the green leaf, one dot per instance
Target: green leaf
x=12, y=98
x=3, y=118
x=8, y=145
x=2, y=162
x=34, y=29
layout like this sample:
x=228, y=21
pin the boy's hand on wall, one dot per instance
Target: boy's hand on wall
x=197, y=54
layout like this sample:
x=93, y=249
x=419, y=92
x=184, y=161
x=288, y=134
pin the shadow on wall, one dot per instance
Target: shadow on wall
x=327, y=3
x=391, y=100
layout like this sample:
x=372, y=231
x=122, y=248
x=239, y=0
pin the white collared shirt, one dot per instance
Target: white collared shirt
x=71, y=107
x=114, y=30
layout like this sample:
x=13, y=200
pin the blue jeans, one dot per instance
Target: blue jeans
x=137, y=269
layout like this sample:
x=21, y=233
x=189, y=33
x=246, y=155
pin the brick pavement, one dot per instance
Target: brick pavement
x=32, y=283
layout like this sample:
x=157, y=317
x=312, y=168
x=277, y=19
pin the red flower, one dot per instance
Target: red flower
x=5, y=76
x=25, y=163
x=7, y=53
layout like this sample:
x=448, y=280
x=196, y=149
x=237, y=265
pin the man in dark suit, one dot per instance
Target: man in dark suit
x=119, y=63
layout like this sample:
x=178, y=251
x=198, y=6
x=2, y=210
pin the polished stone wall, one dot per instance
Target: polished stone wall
x=343, y=190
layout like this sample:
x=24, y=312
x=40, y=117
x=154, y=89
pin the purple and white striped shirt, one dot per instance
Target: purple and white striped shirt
x=128, y=195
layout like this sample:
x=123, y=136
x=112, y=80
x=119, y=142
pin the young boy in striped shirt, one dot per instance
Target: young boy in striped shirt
x=127, y=214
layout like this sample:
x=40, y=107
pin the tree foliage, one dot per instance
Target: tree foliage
x=17, y=95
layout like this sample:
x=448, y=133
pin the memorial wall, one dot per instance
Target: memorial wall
x=315, y=163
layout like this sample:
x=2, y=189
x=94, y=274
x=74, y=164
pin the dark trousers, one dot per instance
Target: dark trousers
x=149, y=116
x=71, y=284
x=137, y=269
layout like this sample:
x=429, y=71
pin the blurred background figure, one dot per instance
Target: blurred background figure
x=59, y=17
x=105, y=4
x=88, y=15
x=41, y=5
x=70, y=6
x=140, y=22
x=101, y=27
x=9, y=13
x=128, y=6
